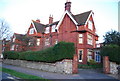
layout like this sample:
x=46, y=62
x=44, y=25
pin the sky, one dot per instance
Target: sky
x=19, y=13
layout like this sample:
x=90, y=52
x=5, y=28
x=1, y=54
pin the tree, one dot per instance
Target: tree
x=113, y=51
x=5, y=31
x=112, y=37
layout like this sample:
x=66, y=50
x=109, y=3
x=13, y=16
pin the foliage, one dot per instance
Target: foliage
x=91, y=62
x=62, y=50
x=112, y=37
x=11, y=55
x=113, y=51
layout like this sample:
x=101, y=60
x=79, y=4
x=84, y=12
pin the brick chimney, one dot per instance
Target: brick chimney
x=68, y=6
x=51, y=19
x=38, y=20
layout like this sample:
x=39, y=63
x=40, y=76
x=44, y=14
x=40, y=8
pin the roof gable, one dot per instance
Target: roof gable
x=82, y=18
x=40, y=28
x=71, y=17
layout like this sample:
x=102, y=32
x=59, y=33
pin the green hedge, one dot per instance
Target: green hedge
x=113, y=51
x=11, y=55
x=62, y=50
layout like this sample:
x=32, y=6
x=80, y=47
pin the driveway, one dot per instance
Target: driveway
x=84, y=74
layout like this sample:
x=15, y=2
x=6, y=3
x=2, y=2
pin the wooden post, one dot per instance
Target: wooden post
x=106, y=64
x=75, y=64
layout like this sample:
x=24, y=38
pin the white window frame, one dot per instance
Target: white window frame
x=47, y=30
x=89, y=55
x=90, y=25
x=53, y=28
x=47, y=42
x=80, y=38
x=80, y=60
x=38, y=42
x=31, y=31
x=90, y=39
x=12, y=47
x=97, y=56
x=56, y=41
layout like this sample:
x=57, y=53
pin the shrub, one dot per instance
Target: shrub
x=60, y=51
x=91, y=62
x=11, y=55
x=113, y=51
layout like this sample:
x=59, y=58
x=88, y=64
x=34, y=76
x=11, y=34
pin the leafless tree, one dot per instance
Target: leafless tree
x=5, y=31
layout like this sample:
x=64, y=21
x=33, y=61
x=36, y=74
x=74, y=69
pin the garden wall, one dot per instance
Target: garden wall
x=64, y=66
x=113, y=68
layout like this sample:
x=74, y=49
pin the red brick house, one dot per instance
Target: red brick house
x=79, y=29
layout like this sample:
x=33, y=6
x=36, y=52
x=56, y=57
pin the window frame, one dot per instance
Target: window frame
x=80, y=54
x=31, y=31
x=80, y=38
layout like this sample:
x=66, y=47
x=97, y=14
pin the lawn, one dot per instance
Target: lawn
x=22, y=75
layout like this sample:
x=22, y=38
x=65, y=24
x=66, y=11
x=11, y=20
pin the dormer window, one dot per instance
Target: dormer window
x=31, y=31
x=47, y=30
x=90, y=25
x=53, y=28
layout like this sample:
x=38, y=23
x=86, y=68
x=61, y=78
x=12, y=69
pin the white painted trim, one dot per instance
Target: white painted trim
x=82, y=55
x=34, y=27
x=66, y=12
x=89, y=17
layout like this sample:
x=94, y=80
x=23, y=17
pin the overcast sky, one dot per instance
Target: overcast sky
x=19, y=13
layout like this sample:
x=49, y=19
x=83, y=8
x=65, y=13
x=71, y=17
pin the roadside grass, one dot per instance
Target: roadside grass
x=22, y=75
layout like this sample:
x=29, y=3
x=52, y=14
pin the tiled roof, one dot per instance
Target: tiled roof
x=19, y=36
x=39, y=27
x=81, y=18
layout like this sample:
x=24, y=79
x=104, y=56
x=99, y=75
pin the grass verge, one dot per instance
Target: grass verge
x=21, y=75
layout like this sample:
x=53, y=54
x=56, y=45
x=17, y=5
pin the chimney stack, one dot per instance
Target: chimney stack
x=38, y=20
x=51, y=19
x=68, y=6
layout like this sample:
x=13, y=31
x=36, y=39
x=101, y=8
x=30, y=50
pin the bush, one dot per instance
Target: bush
x=91, y=62
x=11, y=55
x=113, y=51
x=62, y=50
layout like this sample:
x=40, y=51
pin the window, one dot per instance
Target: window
x=90, y=25
x=80, y=53
x=89, y=55
x=89, y=40
x=56, y=41
x=38, y=42
x=47, y=29
x=31, y=31
x=53, y=28
x=97, y=56
x=12, y=47
x=47, y=42
x=80, y=38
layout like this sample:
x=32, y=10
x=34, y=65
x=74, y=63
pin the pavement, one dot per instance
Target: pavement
x=84, y=74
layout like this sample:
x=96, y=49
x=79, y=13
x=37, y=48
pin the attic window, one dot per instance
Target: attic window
x=47, y=29
x=53, y=28
x=90, y=25
x=31, y=31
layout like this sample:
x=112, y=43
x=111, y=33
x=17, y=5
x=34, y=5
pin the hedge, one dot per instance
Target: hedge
x=11, y=55
x=113, y=51
x=62, y=50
